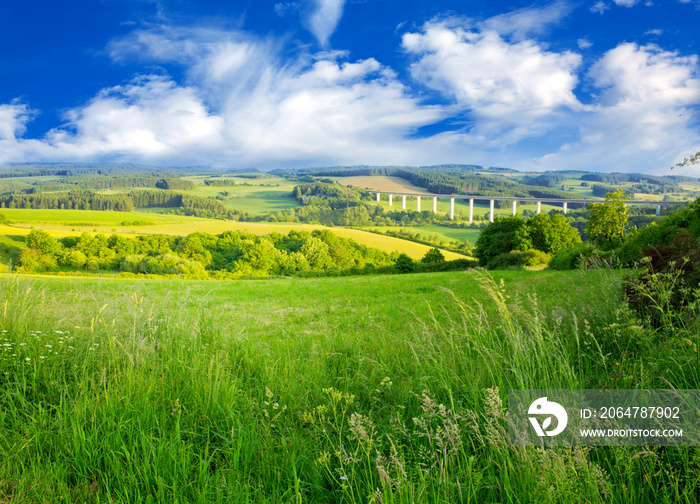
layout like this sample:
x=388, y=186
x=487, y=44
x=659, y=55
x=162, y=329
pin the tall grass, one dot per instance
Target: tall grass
x=179, y=392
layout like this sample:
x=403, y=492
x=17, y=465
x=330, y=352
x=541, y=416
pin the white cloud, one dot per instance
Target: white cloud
x=151, y=117
x=504, y=99
x=524, y=23
x=324, y=19
x=626, y=3
x=242, y=106
x=656, y=33
x=512, y=90
x=643, y=115
x=284, y=8
x=584, y=44
x=13, y=119
x=599, y=7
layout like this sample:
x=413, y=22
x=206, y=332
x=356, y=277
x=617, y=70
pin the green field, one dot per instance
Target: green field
x=441, y=232
x=365, y=389
x=91, y=217
x=255, y=196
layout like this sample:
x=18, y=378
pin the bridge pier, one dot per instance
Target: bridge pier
x=471, y=210
x=658, y=209
x=491, y=214
x=435, y=205
x=403, y=202
x=566, y=206
x=418, y=204
x=391, y=199
x=452, y=208
x=379, y=196
x=515, y=210
x=539, y=207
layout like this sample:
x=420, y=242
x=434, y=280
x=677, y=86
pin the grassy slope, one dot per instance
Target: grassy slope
x=209, y=391
x=380, y=183
x=255, y=196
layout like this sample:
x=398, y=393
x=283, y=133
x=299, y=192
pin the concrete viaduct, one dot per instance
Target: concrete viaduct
x=558, y=201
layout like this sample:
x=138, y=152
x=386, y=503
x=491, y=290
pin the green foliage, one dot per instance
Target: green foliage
x=235, y=253
x=404, y=264
x=43, y=242
x=571, y=258
x=3, y=219
x=501, y=236
x=220, y=182
x=661, y=233
x=548, y=233
x=606, y=224
x=519, y=259
x=433, y=256
x=172, y=184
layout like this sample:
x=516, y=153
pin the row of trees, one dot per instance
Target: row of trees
x=239, y=253
x=88, y=200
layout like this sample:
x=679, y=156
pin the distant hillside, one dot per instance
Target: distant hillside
x=440, y=179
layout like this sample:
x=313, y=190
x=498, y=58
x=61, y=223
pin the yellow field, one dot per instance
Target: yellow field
x=380, y=184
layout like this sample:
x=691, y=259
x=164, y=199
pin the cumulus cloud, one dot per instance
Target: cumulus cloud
x=643, y=114
x=584, y=43
x=151, y=117
x=626, y=3
x=240, y=104
x=500, y=96
x=511, y=89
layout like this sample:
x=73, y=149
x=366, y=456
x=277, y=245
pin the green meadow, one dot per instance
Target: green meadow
x=333, y=390
x=442, y=233
x=255, y=196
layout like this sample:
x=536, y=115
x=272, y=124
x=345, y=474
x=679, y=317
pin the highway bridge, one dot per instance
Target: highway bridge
x=556, y=201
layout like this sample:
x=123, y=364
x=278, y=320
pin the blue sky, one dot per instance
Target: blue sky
x=602, y=85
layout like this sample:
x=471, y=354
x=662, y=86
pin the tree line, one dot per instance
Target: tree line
x=235, y=252
x=88, y=200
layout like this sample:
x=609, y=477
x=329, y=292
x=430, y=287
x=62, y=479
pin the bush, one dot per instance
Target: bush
x=520, y=259
x=666, y=294
x=433, y=256
x=661, y=233
x=404, y=264
x=571, y=258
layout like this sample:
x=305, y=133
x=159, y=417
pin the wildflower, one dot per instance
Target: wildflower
x=27, y=359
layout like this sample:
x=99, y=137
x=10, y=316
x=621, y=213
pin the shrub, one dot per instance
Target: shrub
x=667, y=292
x=571, y=258
x=520, y=259
x=404, y=264
x=661, y=233
x=433, y=256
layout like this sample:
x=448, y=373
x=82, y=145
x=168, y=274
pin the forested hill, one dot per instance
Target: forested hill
x=440, y=179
